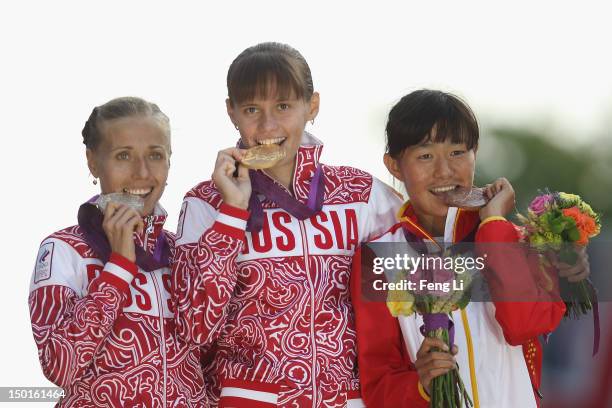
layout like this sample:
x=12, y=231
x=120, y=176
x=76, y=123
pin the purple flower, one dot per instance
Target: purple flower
x=432, y=278
x=539, y=204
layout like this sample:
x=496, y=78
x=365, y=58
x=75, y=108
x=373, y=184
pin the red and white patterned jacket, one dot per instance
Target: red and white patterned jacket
x=276, y=304
x=105, y=332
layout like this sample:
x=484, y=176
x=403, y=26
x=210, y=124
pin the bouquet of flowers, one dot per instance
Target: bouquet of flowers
x=556, y=222
x=434, y=291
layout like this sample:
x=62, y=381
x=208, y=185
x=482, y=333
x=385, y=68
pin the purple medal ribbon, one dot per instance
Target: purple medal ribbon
x=90, y=220
x=262, y=184
x=434, y=321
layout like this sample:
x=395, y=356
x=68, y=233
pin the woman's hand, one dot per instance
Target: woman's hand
x=501, y=199
x=235, y=191
x=576, y=272
x=119, y=224
x=431, y=364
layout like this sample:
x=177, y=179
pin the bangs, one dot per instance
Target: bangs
x=430, y=116
x=453, y=129
x=264, y=76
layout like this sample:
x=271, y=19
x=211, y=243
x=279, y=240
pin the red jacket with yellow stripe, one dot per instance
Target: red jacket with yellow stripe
x=500, y=356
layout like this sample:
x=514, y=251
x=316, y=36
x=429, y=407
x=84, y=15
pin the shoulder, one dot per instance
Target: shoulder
x=62, y=259
x=71, y=237
x=170, y=237
x=346, y=184
x=393, y=234
x=207, y=192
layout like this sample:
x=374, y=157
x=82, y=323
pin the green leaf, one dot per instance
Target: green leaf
x=573, y=234
x=557, y=225
x=568, y=256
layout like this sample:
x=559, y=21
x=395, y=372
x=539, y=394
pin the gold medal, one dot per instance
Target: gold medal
x=262, y=156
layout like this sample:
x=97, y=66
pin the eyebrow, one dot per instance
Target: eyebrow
x=122, y=147
x=251, y=103
x=132, y=148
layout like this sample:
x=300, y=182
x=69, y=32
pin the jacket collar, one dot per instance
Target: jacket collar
x=153, y=226
x=459, y=223
x=306, y=162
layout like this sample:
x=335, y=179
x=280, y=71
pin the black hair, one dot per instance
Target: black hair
x=430, y=115
x=127, y=106
x=263, y=66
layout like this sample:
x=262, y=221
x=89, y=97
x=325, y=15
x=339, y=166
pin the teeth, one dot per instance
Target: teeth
x=442, y=189
x=138, y=191
x=271, y=141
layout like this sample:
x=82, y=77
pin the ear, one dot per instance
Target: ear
x=91, y=162
x=393, y=166
x=230, y=111
x=315, y=100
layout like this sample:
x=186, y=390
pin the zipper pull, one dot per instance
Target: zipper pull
x=149, y=224
x=148, y=230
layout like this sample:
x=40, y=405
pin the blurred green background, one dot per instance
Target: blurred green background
x=536, y=159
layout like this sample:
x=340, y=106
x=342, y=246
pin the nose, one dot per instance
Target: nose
x=267, y=122
x=443, y=168
x=141, y=168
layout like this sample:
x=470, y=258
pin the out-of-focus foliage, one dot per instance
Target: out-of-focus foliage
x=532, y=161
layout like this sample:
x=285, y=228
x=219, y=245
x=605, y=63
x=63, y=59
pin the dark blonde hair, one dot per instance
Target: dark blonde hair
x=266, y=66
x=127, y=106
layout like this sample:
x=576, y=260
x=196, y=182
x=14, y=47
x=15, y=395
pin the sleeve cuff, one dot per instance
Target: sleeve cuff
x=119, y=271
x=422, y=392
x=231, y=221
x=492, y=218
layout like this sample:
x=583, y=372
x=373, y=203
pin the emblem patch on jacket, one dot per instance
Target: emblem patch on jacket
x=43, y=262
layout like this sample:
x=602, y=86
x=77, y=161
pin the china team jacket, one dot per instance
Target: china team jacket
x=105, y=331
x=276, y=304
x=500, y=355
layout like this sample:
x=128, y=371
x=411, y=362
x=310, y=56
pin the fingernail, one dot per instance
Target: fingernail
x=445, y=348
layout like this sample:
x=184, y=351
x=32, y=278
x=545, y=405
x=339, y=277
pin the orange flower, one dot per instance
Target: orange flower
x=585, y=223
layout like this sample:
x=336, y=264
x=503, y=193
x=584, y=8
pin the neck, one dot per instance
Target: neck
x=433, y=225
x=283, y=174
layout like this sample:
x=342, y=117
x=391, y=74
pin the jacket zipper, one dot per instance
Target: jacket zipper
x=312, y=313
x=160, y=307
x=148, y=231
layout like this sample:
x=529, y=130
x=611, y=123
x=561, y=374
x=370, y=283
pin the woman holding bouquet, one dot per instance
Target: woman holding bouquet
x=100, y=292
x=432, y=138
x=264, y=256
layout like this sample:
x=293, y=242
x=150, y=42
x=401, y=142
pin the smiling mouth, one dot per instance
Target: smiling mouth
x=277, y=141
x=443, y=190
x=140, y=192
